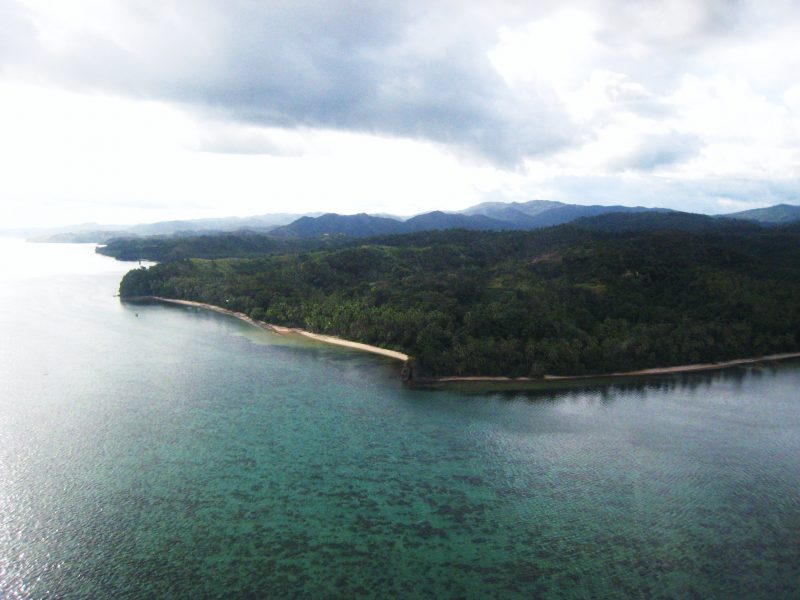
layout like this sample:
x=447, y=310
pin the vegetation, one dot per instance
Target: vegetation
x=567, y=300
x=780, y=214
x=241, y=244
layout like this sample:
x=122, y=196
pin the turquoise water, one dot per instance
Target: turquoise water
x=152, y=451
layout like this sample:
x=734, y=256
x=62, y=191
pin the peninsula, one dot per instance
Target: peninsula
x=548, y=380
x=615, y=294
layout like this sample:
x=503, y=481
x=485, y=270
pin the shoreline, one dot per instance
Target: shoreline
x=279, y=329
x=640, y=374
x=546, y=381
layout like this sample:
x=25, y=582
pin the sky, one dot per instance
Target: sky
x=126, y=111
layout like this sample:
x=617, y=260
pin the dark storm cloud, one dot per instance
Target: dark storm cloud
x=402, y=69
x=417, y=69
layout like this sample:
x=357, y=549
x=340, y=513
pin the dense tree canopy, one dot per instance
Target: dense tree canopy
x=566, y=300
x=240, y=244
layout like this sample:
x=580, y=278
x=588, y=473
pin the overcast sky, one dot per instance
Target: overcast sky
x=123, y=111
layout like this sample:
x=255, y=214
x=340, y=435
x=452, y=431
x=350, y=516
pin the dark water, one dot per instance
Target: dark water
x=165, y=452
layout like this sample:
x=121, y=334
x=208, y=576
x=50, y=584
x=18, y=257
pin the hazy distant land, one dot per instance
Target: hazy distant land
x=487, y=216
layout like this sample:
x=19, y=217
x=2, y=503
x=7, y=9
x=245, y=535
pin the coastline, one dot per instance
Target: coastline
x=279, y=329
x=491, y=382
x=555, y=380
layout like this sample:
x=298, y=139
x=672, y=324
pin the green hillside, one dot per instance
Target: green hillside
x=776, y=215
x=564, y=300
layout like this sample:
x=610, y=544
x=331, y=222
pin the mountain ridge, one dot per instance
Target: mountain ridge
x=486, y=216
x=778, y=214
x=541, y=213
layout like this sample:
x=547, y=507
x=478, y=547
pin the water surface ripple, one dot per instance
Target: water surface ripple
x=156, y=451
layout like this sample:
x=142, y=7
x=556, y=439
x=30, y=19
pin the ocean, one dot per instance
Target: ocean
x=151, y=451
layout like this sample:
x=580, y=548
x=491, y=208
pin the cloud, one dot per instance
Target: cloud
x=659, y=150
x=17, y=35
x=499, y=80
x=227, y=139
x=664, y=101
x=356, y=66
x=713, y=195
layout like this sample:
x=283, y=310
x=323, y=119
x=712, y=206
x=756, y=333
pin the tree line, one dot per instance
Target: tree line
x=562, y=301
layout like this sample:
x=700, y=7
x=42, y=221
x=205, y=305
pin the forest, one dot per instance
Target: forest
x=239, y=244
x=567, y=300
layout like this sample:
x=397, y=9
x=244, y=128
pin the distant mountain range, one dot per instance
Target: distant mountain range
x=775, y=215
x=488, y=216
x=97, y=233
x=249, y=244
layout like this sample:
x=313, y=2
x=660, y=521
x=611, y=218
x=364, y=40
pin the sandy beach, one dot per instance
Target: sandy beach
x=554, y=379
x=326, y=339
x=618, y=375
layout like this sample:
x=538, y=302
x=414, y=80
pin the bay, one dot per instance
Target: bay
x=154, y=451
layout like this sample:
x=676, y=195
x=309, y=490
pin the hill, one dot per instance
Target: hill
x=364, y=225
x=100, y=234
x=438, y=220
x=238, y=244
x=773, y=215
x=247, y=244
x=332, y=224
x=567, y=300
x=512, y=211
x=662, y=221
x=545, y=213
x=483, y=217
x=487, y=216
